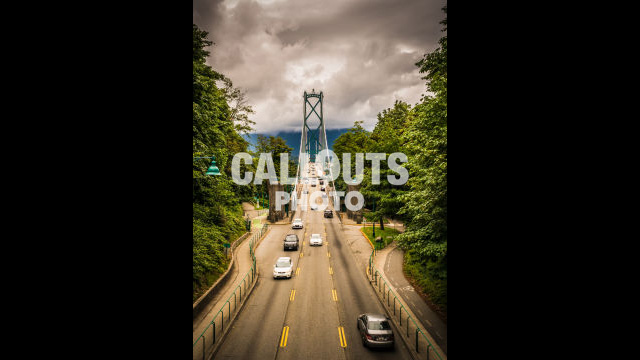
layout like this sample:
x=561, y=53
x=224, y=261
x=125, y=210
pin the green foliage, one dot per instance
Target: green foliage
x=388, y=235
x=217, y=214
x=421, y=133
x=386, y=138
x=431, y=276
x=355, y=140
x=425, y=205
x=275, y=146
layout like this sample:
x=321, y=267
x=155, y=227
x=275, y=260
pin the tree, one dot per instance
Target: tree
x=217, y=214
x=355, y=140
x=426, y=144
x=386, y=138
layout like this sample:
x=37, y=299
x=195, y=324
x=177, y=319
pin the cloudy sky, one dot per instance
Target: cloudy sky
x=360, y=53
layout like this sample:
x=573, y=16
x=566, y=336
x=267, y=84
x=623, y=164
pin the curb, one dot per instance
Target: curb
x=366, y=237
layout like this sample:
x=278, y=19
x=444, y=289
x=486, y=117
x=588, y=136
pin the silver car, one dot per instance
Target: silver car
x=297, y=224
x=375, y=330
x=283, y=268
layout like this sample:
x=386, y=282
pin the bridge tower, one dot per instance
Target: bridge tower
x=313, y=131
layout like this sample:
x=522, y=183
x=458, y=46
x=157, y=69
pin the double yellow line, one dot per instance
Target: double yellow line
x=285, y=335
x=334, y=294
x=343, y=339
x=292, y=296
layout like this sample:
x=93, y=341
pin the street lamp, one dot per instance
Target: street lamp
x=373, y=222
x=213, y=168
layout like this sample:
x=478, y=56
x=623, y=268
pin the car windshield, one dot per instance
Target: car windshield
x=298, y=220
x=291, y=238
x=315, y=236
x=378, y=325
x=283, y=263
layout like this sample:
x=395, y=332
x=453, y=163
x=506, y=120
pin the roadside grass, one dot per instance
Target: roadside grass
x=429, y=284
x=208, y=280
x=388, y=234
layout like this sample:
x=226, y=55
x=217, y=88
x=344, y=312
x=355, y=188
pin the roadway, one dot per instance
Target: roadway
x=305, y=316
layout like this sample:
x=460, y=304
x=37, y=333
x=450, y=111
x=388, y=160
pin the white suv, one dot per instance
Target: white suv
x=297, y=224
x=283, y=268
x=316, y=239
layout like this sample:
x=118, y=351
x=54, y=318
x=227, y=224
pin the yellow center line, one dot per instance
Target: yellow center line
x=328, y=254
x=330, y=271
x=293, y=295
x=301, y=254
x=285, y=335
x=298, y=271
x=343, y=339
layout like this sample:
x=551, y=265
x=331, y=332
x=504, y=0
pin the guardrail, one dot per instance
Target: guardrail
x=382, y=287
x=205, y=343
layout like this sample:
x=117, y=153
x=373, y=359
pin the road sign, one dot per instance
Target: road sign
x=227, y=245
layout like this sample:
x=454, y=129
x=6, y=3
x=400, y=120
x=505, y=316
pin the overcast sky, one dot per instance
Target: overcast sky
x=360, y=53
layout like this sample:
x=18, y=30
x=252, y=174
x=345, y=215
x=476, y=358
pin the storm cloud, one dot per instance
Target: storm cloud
x=360, y=53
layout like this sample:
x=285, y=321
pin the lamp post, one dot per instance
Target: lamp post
x=213, y=168
x=373, y=222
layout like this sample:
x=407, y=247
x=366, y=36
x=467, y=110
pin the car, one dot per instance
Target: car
x=321, y=182
x=322, y=189
x=297, y=224
x=313, y=184
x=291, y=242
x=375, y=330
x=315, y=239
x=328, y=213
x=283, y=268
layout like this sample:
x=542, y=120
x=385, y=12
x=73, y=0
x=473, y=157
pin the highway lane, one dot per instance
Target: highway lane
x=277, y=323
x=313, y=315
x=356, y=296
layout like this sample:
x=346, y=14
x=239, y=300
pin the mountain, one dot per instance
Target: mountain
x=293, y=139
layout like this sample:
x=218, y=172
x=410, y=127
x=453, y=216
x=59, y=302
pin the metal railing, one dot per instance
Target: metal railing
x=422, y=345
x=212, y=334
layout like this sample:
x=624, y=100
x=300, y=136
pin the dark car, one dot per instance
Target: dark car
x=291, y=242
x=328, y=213
x=375, y=330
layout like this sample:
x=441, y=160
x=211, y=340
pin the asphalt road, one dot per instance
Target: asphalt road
x=304, y=317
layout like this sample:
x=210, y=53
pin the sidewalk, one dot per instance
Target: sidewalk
x=243, y=262
x=393, y=274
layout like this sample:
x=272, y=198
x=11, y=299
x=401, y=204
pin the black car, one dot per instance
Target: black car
x=291, y=242
x=375, y=330
x=328, y=213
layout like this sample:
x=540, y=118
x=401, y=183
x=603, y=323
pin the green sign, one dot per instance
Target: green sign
x=227, y=245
